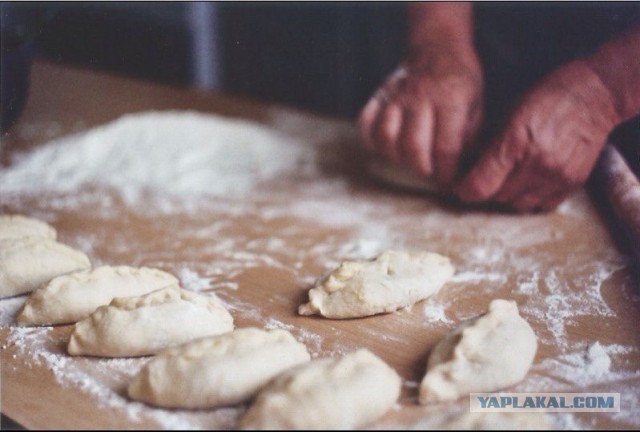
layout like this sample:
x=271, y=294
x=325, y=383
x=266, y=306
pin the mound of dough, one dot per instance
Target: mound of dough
x=145, y=325
x=330, y=393
x=221, y=370
x=18, y=226
x=29, y=262
x=393, y=280
x=482, y=355
x=70, y=298
x=399, y=176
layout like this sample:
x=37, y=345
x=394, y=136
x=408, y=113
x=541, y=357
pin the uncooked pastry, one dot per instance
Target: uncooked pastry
x=70, y=298
x=400, y=176
x=393, y=280
x=482, y=355
x=29, y=262
x=329, y=393
x=220, y=370
x=466, y=420
x=17, y=226
x=138, y=326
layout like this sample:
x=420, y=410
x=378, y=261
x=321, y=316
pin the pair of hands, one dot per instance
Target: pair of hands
x=428, y=113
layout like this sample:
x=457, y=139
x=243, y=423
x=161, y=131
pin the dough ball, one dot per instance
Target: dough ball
x=482, y=355
x=220, y=370
x=27, y=263
x=402, y=177
x=393, y=280
x=331, y=393
x=72, y=297
x=145, y=325
x=18, y=226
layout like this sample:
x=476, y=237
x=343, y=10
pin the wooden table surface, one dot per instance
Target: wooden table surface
x=261, y=252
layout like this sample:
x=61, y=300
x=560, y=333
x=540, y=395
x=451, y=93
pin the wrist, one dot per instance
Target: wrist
x=617, y=67
x=594, y=94
x=440, y=24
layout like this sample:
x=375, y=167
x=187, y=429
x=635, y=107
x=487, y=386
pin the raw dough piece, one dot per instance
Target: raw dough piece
x=482, y=355
x=70, y=298
x=395, y=279
x=330, y=393
x=138, y=326
x=221, y=370
x=17, y=226
x=466, y=420
x=400, y=176
x=29, y=262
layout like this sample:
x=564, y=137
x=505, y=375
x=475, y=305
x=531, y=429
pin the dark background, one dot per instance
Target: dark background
x=321, y=57
x=326, y=57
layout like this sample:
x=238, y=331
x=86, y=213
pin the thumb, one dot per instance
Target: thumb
x=487, y=177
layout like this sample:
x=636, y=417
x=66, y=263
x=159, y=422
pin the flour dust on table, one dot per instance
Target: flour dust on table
x=165, y=155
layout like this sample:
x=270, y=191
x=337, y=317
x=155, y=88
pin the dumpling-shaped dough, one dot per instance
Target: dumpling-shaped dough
x=145, y=325
x=18, y=226
x=219, y=370
x=72, y=297
x=482, y=355
x=393, y=280
x=331, y=393
x=29, y=262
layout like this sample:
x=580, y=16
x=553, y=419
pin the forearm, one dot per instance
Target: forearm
x=617, y=64
x=439, y=23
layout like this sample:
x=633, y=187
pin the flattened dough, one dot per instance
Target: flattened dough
x=29, y=262
x=330, y=393
x=399, y=176
x=393, y=280
x=482, y=355
x=18, y=226
x=145, y=325
x=220, y=370
x=70, y=298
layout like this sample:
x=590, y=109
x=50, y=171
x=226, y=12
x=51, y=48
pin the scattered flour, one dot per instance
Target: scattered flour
x=179, y=158
x=9, y=309
x=587, y=367
x=192, y=281
x=45, y=350
x=435, y=313
x=479, y=276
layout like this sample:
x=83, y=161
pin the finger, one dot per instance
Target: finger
x=416, y=138
x=387, y=130
x=554, y=201
x=366, y=122
x=488, y=175
x=534, y=200
x=449, y=133
x=525, y=179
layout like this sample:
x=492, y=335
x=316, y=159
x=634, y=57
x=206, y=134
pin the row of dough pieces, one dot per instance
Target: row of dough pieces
x=204, y=363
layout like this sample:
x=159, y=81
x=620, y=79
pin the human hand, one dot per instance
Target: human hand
x=426, y=111
x=549, y=145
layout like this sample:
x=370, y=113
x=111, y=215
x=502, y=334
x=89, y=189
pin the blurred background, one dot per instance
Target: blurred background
x=323, y=57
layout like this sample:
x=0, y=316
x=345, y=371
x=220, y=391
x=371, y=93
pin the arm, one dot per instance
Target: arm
x=433, y=23
x=617, y=64
x=427, y=110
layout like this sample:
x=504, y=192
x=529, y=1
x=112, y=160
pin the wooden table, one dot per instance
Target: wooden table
x=571, y=281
